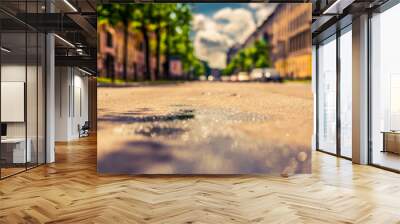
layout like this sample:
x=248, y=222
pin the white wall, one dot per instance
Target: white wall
x=81, y=94
x=62, y=83
x=71, y=94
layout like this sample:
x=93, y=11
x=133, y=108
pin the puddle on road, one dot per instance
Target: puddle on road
x=137, y=117
x=196, y=125
x=229, y=116
x=189, y=125
x=159, y=130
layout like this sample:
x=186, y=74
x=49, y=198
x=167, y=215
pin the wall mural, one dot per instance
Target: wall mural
x=204, y=88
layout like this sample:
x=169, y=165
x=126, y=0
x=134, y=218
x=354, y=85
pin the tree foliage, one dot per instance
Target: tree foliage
x=254, y=56
x=170, y=23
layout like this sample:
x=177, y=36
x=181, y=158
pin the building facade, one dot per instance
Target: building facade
x=290, y=40
x=287, y=32
x=110, y=55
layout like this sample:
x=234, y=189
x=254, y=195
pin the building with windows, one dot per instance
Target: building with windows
x=111, y=59
x=291, y=45
x=110, y=56
x=287, y=31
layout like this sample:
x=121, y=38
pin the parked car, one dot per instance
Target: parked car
x=265, y=75
x=225, y=78
x=234, y=78
x=271, y=75
x=257, y=74
x=243, y=77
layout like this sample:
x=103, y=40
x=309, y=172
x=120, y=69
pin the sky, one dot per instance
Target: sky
x=218, y=26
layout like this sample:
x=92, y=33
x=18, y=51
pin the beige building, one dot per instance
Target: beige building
x=291, y=40
x=110, y=57
x=288, y=33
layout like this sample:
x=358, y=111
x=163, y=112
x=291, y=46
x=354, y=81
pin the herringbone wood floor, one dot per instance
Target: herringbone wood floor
x=70, y=191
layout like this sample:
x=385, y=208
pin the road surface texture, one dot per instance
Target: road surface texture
x=205, y=128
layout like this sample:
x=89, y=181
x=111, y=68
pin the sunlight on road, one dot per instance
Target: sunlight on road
x=203, y=128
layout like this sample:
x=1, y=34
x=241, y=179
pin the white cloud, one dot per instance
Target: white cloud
x=238, y=24
x=216, y=34
x=262, y=14
x=202, y=22
x=262, y=11
x=211, y=46
x=256, y=5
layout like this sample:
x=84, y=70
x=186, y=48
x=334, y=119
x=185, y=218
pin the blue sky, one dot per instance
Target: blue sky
x=211, y=8
x=218, y=26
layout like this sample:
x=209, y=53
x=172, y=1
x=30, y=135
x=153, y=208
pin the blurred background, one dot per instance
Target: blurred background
x=221, y=41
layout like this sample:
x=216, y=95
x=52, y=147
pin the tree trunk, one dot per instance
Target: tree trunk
x=125, y=69
x=134, y=72
x=158, y=40
x=112, y=76
x=167, y=53
x=188, y=73
x=147, y=73
x=110, y=67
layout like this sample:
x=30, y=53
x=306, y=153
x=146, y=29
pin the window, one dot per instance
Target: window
x=327, y=95
x=22, y=89
x=385, y=89
x=346, y=93
x=299, y=41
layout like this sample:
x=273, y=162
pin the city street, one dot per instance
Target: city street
x=205, y=127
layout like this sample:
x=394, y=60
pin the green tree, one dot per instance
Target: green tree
x=171, y=25
x=161, y=14
x=177, y=39
x=262, y=50
x=143, y=21
x=254, y=56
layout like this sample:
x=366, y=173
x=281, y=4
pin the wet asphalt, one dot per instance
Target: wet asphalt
x=205, y=128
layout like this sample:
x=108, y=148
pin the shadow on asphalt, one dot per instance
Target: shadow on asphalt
x=139, y=84
x=134, y=157
x=153, y=157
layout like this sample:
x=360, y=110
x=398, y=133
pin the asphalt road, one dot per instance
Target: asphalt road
x=205, y=128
